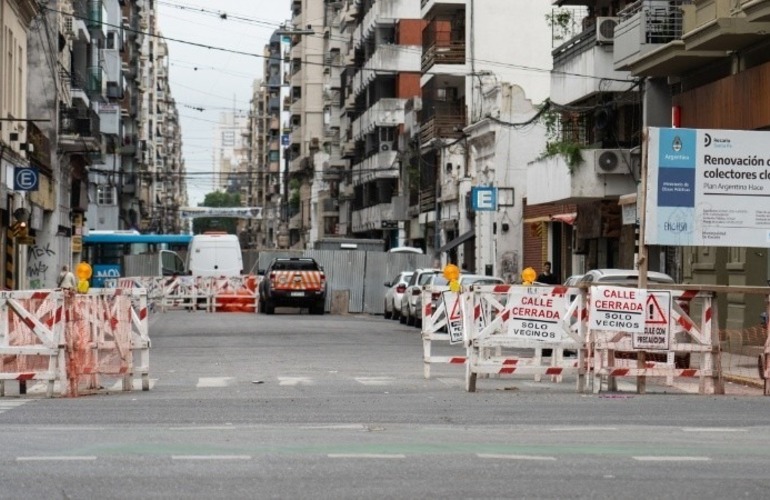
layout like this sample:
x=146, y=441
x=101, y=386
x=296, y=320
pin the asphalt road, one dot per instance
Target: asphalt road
x=300, y=406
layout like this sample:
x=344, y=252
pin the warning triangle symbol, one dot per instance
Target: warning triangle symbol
x=654, y=313
x=454, y=315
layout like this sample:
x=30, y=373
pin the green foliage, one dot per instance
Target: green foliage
x=217, y=199
x=294, y=185
x=561, y=23
x=571, y=151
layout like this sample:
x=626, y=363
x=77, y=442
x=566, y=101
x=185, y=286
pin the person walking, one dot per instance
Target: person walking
x=67, y=280
x=546, y=277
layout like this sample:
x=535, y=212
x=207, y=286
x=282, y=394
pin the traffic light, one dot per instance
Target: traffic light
x=23, y=230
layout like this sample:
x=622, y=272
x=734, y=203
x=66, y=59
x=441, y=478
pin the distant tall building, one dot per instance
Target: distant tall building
x=231, y=151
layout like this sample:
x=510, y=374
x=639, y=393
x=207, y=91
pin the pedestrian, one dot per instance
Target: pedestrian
x=66, y=280
x=546, y=277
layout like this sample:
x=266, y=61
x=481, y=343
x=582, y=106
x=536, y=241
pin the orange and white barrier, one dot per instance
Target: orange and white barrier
x=530, y=318
x=666, y=329
x=441, y=318
x=31, y=335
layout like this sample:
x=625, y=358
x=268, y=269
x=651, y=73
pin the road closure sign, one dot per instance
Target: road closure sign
x=657, y=323
x=536, y=317
x=454, y=316
x=617, y=309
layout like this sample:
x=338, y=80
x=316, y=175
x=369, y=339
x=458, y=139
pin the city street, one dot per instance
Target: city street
x=301, y=406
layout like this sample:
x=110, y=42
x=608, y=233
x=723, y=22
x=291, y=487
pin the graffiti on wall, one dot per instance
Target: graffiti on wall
x=41, y=263
x=509, y=267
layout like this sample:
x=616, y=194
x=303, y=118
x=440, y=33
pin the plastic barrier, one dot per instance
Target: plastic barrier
x=31, y=334
x=674, y=333
x=234, y=294
x=436, y=327
x=529, y=318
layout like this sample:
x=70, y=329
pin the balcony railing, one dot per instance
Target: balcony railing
x=77, y=121
x=449, y=52
x=95, y=9
x=449, y=126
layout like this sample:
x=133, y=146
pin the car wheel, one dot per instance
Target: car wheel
x=401, y=319
x=410, y=320
x=387, y=314
x=269, y=307
x=318, y=308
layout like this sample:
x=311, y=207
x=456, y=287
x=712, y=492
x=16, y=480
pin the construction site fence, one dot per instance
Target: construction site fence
x=212, y=294
x=486, y=328
x=71, y=343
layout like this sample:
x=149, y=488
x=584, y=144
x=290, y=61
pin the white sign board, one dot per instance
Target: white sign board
x=454, y=316
x=617, y=309
x=708, y=188
x=657, y=323
x=536, y=317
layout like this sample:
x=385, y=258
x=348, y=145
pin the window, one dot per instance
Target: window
x=105, y=195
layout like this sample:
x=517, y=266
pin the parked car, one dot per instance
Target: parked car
x=396, y=288
x=573, y=280
x=438, y=283
x=293, y=282
x=410, y=300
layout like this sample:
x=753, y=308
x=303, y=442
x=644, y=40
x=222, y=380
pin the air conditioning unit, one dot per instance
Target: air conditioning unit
x=605, y=29
x=611, y=161
x=386, y=146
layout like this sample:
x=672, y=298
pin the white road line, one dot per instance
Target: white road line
x=10, y=405
x=210, y=457
x=295, y=381
x=713, y=429
x=366, y=455
x=672, y=459
x=205, y=428
x=334, y=427
x=204, y=382
x=375, y=380
x=136, y=385
x=55, y=458
x=451, y=382
x=514, y=457
x=582, y=429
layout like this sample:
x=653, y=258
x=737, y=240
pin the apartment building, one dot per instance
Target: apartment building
x=16, y=135
x=594, y=153
x=383, y=74
x=306, y=154
x=475, y=127
x=704, y=64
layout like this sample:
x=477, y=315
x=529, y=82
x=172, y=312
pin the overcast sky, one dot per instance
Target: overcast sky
x=213, y=80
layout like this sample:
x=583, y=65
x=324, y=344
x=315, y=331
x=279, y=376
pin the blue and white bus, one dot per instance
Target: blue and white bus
x=105, y=251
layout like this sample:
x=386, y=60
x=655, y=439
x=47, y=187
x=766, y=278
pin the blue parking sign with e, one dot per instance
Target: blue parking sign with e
x=483, y=198
x=25, y=179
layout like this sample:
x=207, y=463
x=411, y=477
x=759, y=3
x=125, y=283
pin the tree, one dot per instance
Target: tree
x=217, y=199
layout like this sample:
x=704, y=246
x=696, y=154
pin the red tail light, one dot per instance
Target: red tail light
x=435, y=295
x=272, y=276
x=416, y=292
x=400, y=289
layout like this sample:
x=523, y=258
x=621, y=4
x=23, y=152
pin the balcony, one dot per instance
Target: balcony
x=387, y=59
x=590, y=180
x=585, y=55
x=79, y=130
x=371, y=218
x=447, y=123
x=443, y=43
x=721, y=25
x=96, y=15
x=384, y=113
x=385, y=13
x=756, y=10
x=644, y=26
x=428, y=6
x=330, y=207
x=381, y=165
x=96, y=81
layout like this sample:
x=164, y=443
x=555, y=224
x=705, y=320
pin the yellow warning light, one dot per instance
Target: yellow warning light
x=83, y=271
x=528, y=276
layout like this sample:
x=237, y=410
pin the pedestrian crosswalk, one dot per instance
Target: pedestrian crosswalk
x=11, y=404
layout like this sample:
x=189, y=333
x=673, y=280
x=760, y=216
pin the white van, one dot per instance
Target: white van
x=215, y=254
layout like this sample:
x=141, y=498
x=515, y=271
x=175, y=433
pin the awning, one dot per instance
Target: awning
x=542, y=218
x=566, y=218
x=458, y=241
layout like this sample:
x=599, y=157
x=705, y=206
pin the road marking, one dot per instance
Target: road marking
x=205, y=428
x=514, y=457
x=713, y=429
x=295, y=381
x=366, y=455
x=136, y=385
x=204, y=382
x=672, y=459
x=10, y=405
x=210, y=457
x=52, y=458
x=452, y=382
x=359, y=427
x=375, y=380
x=582, y=429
